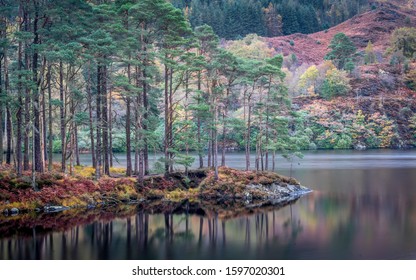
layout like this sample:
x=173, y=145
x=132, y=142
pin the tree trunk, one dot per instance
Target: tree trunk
x=200, y=156
x=9, y=136
x=27, y=99
x=145, y=106
x=90, y=121
x=170, y=133
x=166, y=144
x=215, y=141
x=19, y=110
x=139, y=128
x=50, y=123
x=128, y=111
x=248, y=132
x=77, y=159
x=104, y=100
x=98, y=125
x=37, y=149
x=110, y=126
x=224, y=125
x=128, y=126
x=62, y=116
x=44, y=124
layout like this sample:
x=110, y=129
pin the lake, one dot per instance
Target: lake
x=363, y=207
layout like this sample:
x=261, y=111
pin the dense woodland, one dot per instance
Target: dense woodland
x=133, y=76
x=78, y=74
x=233, y=19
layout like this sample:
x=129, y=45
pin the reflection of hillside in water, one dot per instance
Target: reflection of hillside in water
x=317, y=226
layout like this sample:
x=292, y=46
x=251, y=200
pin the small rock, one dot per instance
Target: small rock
x=50, y=209
x=360, y=147
x=6, y=212
x=37, y=210
x=14, y=211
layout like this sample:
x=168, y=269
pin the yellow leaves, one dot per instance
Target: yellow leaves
x=309, y=77
x=84, y=171
x=118, y=170
x=252, y=47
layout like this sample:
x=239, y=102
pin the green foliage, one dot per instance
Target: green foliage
x=369, y=56
x=349, y=66
x=336, y=83
x=236, y=19
x=410, y=79
x=342, y=50
x=403, y=41
x=309, y=78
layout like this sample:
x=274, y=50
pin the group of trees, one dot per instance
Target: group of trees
x=95, y=69
x=232, y=19
x=134, y=76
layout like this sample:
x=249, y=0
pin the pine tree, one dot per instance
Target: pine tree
x=342, y=50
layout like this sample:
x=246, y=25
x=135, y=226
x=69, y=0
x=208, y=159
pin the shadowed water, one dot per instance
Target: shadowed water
x=363, y=207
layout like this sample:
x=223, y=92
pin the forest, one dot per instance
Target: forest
x=134, y=77
x=232, y=19
x=127, y=76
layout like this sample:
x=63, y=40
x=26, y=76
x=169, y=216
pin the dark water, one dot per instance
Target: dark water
x=363, y=207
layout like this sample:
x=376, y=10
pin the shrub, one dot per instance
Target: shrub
x=336, y=83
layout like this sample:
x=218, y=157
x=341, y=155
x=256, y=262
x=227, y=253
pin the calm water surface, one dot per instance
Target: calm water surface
x=363, y=207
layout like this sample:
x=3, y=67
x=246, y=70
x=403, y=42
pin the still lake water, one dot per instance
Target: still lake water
x=363, y=207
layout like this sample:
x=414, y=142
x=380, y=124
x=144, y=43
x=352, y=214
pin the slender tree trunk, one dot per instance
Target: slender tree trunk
x=145, y=106
x=90, y=121
x=268, y=123
x=128, y=126
x=136, y=139
x=72, y=136
x=77, y=159
x=19, y=109
x=248, y=132
x=186, y=116
x=27, y=99
x=167, y=121
x=200, y=156
x=224, y=130
x=37, y=149
x=215, y=148
x=224, y=126
x=170, y=133
x=104, y=100
x=139, y=130
x=44, y=124
x=128, y=110
x=110, y=126
x=98, y=124
x=9, y=136
x=50, y=121
x=62, y=116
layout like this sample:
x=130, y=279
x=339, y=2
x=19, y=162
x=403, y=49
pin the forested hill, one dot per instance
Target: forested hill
x=233, y=19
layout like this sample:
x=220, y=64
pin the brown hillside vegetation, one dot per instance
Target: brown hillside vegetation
x=375, y=26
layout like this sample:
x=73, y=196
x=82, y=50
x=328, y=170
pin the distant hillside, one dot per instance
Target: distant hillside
x=233, y=19
x=375, y=26
x=380, y=110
